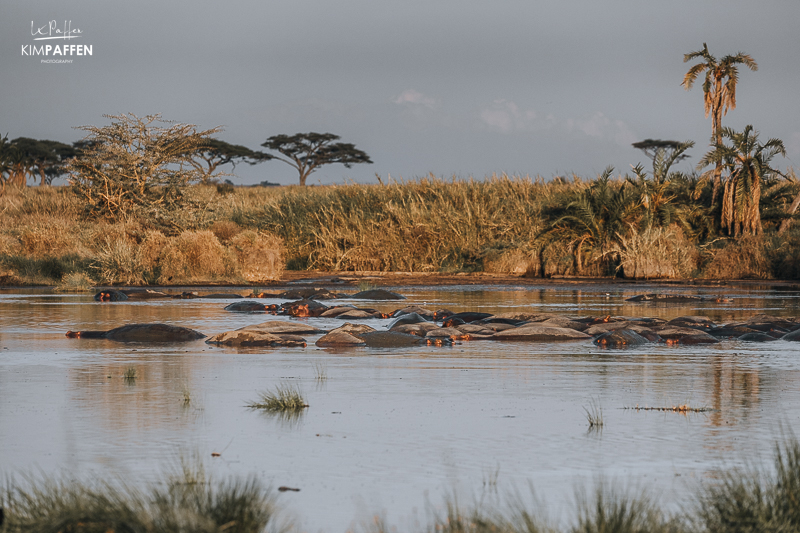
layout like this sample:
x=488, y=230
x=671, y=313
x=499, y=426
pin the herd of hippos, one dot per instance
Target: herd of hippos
x=414, y=325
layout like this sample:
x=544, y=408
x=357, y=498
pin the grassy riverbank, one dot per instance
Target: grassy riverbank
x=599, y=227
x=189, y=500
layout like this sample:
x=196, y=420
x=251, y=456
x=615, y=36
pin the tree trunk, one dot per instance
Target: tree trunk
x=716, y=119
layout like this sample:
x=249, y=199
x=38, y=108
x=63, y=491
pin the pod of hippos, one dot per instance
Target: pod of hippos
x=414, y=325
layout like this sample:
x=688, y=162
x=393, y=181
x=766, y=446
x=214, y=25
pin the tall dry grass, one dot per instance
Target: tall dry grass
x=425, y=225
x=657, y=252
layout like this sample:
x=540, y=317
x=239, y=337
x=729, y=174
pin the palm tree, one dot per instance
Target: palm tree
x=747, y=162
x=593, y=222
x=719, y=90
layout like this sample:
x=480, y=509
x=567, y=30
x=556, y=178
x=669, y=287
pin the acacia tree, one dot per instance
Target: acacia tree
x=306, y=152
x=654, y=192
x=748, y=164
x=43, y=158
x=719, y=91
x=135, y=161
x=214, y=153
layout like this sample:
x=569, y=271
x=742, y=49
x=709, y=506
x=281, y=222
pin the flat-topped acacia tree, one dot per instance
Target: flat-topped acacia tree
x=306, y=152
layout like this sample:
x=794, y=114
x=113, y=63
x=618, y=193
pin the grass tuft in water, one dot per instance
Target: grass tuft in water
x=320, y=372
x=186, y=395
x=594, y=414
x=285, y=398
x=129, y=374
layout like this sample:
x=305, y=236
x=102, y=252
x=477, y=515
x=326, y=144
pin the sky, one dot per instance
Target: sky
x=463, y=88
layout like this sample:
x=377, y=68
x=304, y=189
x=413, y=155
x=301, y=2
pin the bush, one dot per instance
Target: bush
x=741, y=258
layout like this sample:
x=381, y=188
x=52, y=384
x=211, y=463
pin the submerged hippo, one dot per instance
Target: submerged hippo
x=247, y=306
x=141, y=333
x=620, y=338
x=393, y=339
x=302, y=308
x=110, y=295
x=377, y=294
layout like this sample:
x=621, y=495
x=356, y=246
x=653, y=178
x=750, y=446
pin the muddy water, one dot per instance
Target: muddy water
x=392, y=432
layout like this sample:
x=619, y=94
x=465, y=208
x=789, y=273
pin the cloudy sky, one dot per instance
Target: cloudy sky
x=464, y=87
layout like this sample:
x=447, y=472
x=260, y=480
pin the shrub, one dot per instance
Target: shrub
x=742, y=258
x=195, y=256
x=260, y=255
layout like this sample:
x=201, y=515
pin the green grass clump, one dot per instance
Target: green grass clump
x=285, y=398
x=186, y=501
x=749, y=501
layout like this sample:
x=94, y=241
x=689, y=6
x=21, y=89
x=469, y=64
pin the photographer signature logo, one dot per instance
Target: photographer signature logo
x=56, y=53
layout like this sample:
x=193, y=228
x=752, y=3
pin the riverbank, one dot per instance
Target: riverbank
x=506, y=226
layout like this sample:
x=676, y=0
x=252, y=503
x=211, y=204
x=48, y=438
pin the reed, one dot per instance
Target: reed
x=594, y=415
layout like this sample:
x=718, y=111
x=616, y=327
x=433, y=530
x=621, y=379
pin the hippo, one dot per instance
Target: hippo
x=427, y=313
x=377, y=294
x=757, y=337
x=664, y=298
x=792, y=336
x=470, y=316
x=620, y=338
x=302, y=308
x=694, y=322
x=393, y=339
x=441, y=314
x=310, y=293
x=344, y=336
x=110, y=295
x=731, y=331
x=246, y=306
x=537, y=333
x=452, y=322
x=141, y=333
x=410, y=318
x=145, y=294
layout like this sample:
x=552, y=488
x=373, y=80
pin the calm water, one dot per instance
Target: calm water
x=393, y=432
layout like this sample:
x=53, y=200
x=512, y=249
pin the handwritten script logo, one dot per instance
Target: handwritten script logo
x=52, y=31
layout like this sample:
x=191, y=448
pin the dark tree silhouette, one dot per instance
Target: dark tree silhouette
x=44, y=158
x=215, y=153
x=306, y=152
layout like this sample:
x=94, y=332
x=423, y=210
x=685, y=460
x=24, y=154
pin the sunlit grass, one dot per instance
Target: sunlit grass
x=185, y=501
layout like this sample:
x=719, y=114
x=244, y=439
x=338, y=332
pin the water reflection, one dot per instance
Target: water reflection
x=386, y=427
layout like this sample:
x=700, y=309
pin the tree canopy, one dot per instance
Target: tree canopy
x=719, y=90
x=306, y=152
x=214, y=153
